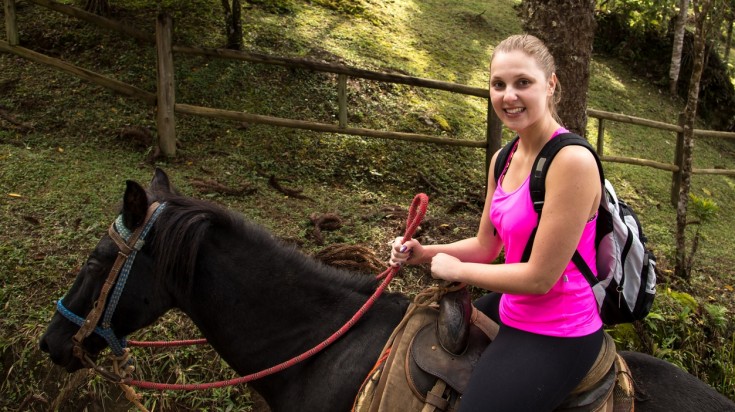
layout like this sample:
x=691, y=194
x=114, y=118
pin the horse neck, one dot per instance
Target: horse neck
x=260, y=303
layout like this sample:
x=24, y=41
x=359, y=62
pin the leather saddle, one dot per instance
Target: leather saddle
x=439, y=376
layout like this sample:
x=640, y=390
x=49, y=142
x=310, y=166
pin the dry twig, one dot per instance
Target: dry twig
x=295, y=193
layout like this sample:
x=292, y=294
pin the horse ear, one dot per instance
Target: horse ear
x=160, y=182
x=135, y=205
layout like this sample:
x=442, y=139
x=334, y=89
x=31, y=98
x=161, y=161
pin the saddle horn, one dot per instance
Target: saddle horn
x=455, y=317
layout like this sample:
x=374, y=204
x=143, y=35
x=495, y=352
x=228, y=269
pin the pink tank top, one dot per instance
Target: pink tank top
x=569, y=309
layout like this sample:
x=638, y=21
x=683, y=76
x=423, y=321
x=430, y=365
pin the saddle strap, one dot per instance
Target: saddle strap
x=484, y=323
x=435, y=398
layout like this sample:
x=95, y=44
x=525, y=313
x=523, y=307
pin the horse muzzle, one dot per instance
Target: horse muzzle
x=58, y=344
x=61, y=356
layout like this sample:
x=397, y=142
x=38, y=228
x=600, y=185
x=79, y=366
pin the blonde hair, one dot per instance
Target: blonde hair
x=535, y=48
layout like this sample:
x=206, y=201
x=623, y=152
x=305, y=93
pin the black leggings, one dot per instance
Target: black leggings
x=522, y=371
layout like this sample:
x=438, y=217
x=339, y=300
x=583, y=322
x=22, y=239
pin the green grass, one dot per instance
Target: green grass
x=62, y=180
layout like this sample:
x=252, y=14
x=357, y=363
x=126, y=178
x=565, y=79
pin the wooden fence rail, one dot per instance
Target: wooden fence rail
x=164, y=98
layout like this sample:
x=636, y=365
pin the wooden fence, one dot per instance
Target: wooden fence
x=165, y=102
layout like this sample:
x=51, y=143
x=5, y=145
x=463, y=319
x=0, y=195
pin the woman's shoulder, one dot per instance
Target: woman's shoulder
x=574, y=158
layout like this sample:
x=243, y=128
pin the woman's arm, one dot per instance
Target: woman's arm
x=482, y=248
x=572, y=197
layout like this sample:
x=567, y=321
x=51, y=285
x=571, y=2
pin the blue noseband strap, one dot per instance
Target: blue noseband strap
x=116, y=345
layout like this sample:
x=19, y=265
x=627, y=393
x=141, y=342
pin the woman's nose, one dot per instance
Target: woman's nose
x=509, y=95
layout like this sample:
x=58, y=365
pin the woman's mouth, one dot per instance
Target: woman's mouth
x=515, y=110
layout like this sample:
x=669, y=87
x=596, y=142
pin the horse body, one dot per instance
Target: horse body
x=259, y=303
x=282, y=305
x=663, y=387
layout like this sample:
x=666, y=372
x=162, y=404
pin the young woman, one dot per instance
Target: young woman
x=550, y=330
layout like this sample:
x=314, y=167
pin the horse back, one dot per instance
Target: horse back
x=661, y=386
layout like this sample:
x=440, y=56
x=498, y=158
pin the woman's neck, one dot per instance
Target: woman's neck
x=536, y=136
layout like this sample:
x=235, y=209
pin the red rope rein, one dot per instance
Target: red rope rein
x=416, y=213
x=166, y=344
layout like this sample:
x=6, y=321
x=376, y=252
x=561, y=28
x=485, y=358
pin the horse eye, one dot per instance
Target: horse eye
x=92, y=265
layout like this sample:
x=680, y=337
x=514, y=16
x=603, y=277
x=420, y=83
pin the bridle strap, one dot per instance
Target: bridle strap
x=126, y=248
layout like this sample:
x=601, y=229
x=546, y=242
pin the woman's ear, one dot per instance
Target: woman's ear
x=552, y=84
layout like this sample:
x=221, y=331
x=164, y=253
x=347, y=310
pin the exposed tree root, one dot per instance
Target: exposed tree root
x=327, y=221
x=352, y=257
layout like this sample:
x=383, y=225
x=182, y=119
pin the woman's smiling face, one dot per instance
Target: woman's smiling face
x=520, y=90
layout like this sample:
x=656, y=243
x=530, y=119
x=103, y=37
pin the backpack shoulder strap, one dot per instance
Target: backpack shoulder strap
x=503, y=158
x=541, y=165
x=537, y=186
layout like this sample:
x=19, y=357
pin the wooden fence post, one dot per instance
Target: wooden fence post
x=342, y=96
x=494, y=135
x=678, y=162
x=10, y=26
x=166, y=99
x=600, y=137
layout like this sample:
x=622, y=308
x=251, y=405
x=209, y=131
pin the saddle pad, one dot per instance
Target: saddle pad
x=392, y=392
x=594, y=398
x=601, y=367
x=428, y=361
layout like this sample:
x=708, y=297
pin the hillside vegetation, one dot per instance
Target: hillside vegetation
x=67, y=147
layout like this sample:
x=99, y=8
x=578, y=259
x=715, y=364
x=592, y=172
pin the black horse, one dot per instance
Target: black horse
x=259, y=302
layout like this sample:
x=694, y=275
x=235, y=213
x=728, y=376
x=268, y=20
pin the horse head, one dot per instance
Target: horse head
x=95, y=313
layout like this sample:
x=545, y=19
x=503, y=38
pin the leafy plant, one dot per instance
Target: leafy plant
x=642, y=15
x=704, y=210
x=697, y=337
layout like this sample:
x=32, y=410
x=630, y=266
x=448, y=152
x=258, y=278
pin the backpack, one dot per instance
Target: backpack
x=625, y=285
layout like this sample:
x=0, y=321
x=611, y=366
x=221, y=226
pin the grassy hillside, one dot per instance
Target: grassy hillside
x=66, y=150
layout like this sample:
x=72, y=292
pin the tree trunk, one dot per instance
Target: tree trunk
x=678, y=45
x=567, y=27
x=233, y=24
x=98, y=7
x=702, y=9
x=728, y=43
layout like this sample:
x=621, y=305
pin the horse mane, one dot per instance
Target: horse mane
x=185, y=223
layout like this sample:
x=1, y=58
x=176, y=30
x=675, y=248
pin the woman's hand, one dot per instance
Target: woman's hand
x=408, y=252
x=445, y=267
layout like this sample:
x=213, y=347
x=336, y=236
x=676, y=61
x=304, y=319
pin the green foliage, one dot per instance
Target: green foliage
x=643, y=15
x=347, y=7
x=275, y=6
x=704, y=209
x=442, y=122
x=685, y=301
x=699, y=338
x=718, y=314
x=640, y=33
x=350, y=7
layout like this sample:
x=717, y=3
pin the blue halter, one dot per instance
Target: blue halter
x=117, y=229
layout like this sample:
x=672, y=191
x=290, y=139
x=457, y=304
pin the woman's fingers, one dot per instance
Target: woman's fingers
x=400, y=252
